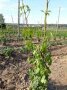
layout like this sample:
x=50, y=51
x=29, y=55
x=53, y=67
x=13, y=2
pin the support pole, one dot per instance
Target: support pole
x=58, y=18
x=18, y=19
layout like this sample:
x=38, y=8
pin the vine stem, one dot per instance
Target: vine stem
x=45, y=20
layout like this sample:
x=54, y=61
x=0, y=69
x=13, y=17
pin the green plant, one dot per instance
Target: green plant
x=27, y=33
x=3, y=40
x=8, y=52
x=39, y=35
x=1, y=19
x=40, y=61
x=40, y=71
x=29, y=46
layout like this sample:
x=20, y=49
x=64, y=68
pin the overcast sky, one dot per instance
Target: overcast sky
x=9, y=10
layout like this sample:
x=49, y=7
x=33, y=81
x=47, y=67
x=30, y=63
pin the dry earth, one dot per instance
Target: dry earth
x=58, y=77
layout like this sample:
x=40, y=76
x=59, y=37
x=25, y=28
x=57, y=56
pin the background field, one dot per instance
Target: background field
x=14, y=53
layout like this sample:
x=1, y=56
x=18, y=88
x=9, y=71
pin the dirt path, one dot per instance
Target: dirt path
x=58, y=77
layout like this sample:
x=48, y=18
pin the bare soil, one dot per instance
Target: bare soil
x=13, y=72
x=58, y=77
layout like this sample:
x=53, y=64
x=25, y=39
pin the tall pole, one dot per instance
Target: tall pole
x=58, y=17
x=13, y=23
x=18, y=19
x=45, y=20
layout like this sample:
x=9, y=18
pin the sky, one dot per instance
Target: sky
x=9, y=10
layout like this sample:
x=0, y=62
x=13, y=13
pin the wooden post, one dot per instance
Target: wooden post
x=58, y=18
x=18, y=19
x=45, y=20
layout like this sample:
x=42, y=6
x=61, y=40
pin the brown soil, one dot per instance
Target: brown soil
x=13, y=72
x=58, y=77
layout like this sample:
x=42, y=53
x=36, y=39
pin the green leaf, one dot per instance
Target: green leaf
x=42, y=11
x=43, y=80
x=37, y=70
x=48, y=58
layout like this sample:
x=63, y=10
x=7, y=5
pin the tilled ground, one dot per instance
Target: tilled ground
x=13, y=76
x=58, y=77
x=13, y=73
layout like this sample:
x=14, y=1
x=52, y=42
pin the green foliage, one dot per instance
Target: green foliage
x=1, y=19
x=27, y=33
x=29, y=45
x=38, y=34
x=30, y=32
x=40, y=71
x=7, y=51
x=3, y=40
